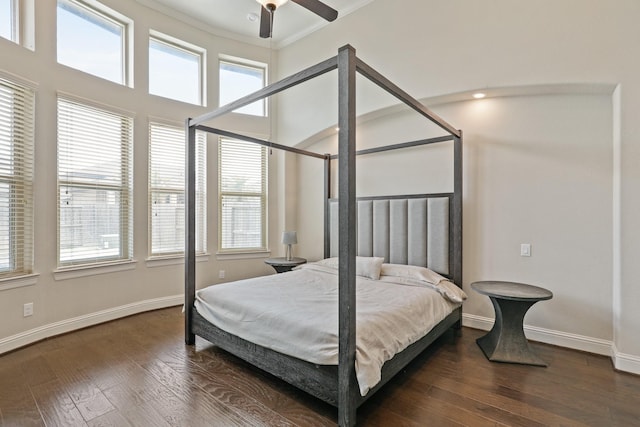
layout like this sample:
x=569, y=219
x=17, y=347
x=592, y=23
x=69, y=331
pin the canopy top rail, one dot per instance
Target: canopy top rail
x=272, y=89
x=269, y=144
x=400, y=145
x=308, y=74
x=241, y=137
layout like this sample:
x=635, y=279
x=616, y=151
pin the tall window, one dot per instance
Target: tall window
x=16, y=174
x=93, y=40
x=166, y=189
x=94, y=184
x=8, y=20
x=238, y=79
x=175, y=69
x=243, y=196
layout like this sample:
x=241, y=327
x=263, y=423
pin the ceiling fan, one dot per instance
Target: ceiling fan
x=269, y=7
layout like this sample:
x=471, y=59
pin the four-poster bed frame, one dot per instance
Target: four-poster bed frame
x=336, y=385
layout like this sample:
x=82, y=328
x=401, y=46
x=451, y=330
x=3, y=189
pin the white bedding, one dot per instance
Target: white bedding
x=296, y=313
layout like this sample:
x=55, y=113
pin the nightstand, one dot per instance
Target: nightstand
x=281, y=264
x=506, y=341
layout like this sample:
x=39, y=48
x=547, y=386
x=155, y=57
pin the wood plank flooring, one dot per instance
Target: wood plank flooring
x=138, y=372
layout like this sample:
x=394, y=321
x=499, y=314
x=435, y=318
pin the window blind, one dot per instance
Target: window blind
x=166, y=190
x=94, y=184
x=16, y=179
x=243, y=195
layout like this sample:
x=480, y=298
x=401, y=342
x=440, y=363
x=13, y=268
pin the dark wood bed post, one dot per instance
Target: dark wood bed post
x=347, y=385
x=457, y=214
x=190, y=239
x=327, y=196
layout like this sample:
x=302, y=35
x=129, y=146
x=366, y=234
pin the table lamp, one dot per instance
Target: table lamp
x=289, y=238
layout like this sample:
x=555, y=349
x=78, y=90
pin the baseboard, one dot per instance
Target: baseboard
x=548, y=336
x=626, y=362
x=42, y=332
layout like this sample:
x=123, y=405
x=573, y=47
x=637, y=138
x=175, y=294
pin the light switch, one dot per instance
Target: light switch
x=525, y=249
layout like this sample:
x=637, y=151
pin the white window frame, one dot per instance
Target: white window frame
x=101, y=11
x=20, y=157
x=125, y=189
x=190, y=49
x=23, y=23
x=263, y=195
x=245, y=63
x=201, y=199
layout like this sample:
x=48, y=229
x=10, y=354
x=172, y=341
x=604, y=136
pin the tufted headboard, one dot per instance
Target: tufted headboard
x=412, y=230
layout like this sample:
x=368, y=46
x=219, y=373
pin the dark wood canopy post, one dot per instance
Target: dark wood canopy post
x=190, y=232
x=327, y=196
x=347, y=384
x=456, y=217
x=456, y=273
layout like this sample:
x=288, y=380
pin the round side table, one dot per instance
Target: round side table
x=506, y=341
x=282, y=264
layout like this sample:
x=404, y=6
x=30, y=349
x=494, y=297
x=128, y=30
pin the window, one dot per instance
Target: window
x=16, y=173
x=175, y=70
x=237, y=80
x=243, y=195
x=8, y=20
x=166, y=189
x=94, y=184
x=17, y=21
x=93, y=40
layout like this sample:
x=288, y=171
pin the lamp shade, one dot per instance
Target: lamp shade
x=289, y=237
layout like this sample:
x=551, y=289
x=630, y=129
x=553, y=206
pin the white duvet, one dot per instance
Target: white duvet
x=296, y=313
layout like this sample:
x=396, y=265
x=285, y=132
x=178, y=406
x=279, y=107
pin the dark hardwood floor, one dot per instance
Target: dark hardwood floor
x=138, y=372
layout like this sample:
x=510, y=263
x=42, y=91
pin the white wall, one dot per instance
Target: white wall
x=539, y=170
x=61, y=305
x=549, y=185
x=587, y=248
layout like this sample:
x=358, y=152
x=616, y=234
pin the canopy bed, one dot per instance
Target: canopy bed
x=409, y=235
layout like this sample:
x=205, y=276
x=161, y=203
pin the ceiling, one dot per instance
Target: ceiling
x=229, y=18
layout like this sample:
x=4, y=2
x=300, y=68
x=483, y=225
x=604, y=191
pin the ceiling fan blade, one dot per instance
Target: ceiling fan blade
x=266, y=23
x=319, y=8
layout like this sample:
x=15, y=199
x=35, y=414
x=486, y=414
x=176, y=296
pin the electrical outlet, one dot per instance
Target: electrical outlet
x=221, y=274
x=525, y=249
x=27, y=310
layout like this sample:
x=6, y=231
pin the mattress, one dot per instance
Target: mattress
x=296, y=313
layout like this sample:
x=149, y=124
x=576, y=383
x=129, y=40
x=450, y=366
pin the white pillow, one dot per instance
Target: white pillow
x=368, y=267
x=411, y=272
